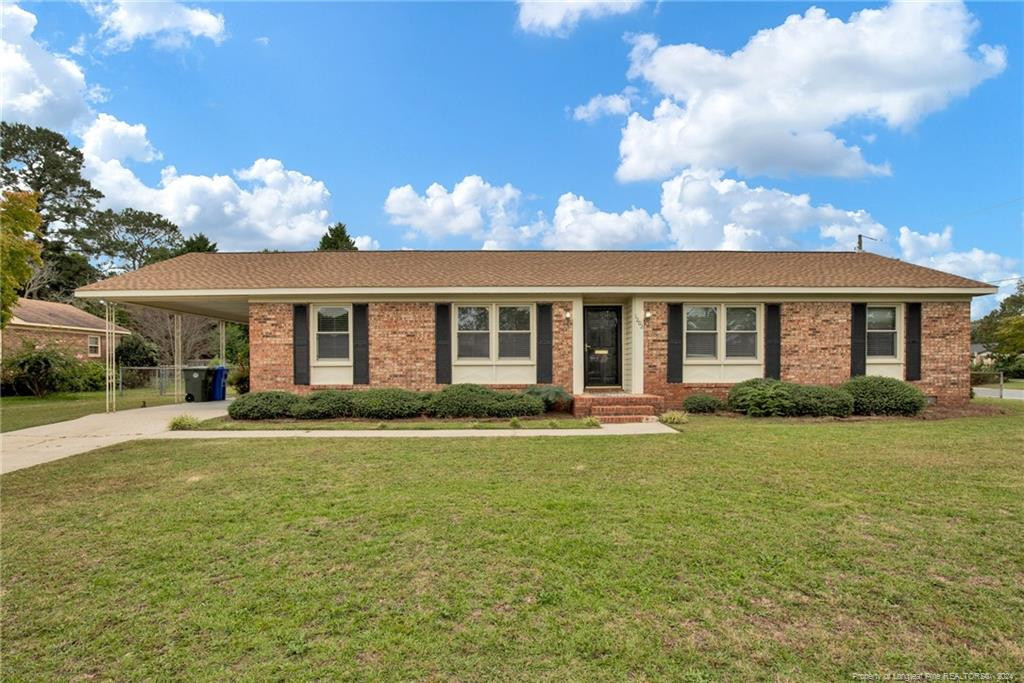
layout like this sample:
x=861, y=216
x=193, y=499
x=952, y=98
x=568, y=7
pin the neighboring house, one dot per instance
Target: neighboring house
x=656, y=325
x=980, y=355
x=48, y=323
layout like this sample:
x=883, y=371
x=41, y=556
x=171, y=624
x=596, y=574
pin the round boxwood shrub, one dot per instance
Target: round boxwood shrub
x=386, y=404
x=263, y=405
x=323, y=405
x=740, y=393
x=884, y=396
x=770, y=399
x=473, y=400
x=702, y=403
x=554, y=397
x=819, y=401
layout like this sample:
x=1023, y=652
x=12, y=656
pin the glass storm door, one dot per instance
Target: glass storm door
x=602, y=338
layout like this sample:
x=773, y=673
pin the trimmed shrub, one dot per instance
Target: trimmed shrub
x=183, y=423
x=386, y=404
x=82, y=376
x=473, y=400
x=822, y=401
x=770, y=399
x=36, y=371
x=702, y=403
x=554, y=397
x=323, y=405
x=739, y=393
x=884, y=396
x=263, y=405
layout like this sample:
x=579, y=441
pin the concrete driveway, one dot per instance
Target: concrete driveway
x=1015, y=394
x=36, y=445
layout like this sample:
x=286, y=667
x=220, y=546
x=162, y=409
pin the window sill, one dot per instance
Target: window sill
x=732, y=361
x=329, y=364
x=485, y=361
x=884, y=359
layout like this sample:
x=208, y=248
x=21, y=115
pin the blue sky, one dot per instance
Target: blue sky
x=260, y=123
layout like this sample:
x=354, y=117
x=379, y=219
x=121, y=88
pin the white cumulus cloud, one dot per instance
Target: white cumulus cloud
x=366, y=243
x=107, y=138
x=579, y=224
x=770, y=108
x=560, y=17
x=619, y=104
x=706, y=210
x=168, y=24
x=38, y=87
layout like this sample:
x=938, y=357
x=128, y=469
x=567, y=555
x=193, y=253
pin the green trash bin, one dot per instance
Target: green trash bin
x=197, y=384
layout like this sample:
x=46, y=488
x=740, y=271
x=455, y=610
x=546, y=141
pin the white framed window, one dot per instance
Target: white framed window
x=514, y=332
x=881, y=332
x=473, y=325
x=333, y=334
x=702, y=332
x=741, y=331
x=94, y=345
x=496, y=333
x=722, y=333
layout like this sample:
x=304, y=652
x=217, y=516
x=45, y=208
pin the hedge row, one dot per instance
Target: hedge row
x=772, y=398
x=457, y=400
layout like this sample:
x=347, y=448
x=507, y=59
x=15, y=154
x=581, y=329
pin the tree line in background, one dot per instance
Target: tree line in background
x=1001, y=332
x=55, y=240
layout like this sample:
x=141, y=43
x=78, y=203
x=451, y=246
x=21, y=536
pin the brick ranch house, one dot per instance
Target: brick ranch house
x=627, y=332
x=48, y=323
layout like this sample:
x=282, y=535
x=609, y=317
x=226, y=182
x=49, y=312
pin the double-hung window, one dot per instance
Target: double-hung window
x=494, y=332
x=474, y=331
x=94, y=345
x=333, y=333
x=721, y=332
x=702, y=332
x=881, y=334
x=513, y=332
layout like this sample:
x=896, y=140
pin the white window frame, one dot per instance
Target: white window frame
x=493, y=324
x=314, y=335
x=898, y=341
x=88, y=346
x=721, y=359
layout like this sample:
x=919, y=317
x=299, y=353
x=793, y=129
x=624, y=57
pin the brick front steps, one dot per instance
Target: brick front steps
x=614, y=408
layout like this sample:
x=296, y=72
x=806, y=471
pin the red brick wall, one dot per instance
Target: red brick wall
x=270, y=347
x=401, y=339
x=816, y=350
x=946, y=351
x=816, y=342
x=77, y=343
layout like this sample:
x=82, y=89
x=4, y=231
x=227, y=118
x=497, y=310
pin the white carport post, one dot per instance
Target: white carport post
x=110, y=357
x=222, y=349
x=177, y=359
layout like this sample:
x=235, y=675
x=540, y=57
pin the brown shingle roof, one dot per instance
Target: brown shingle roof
x=528, y=269
x=36, y=312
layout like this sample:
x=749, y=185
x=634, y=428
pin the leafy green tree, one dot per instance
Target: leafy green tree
x=135, y=351
x=197, y=243
x=62, y=272
x=39, y=160
x=19, y=225
x=984, y=331
x=1009, y=336
x=130, y=237
x=337, y=239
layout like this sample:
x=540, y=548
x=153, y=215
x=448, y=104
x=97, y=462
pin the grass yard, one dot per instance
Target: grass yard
x=736, y=549
x=1007, y=384
x=226, y=424
x=19, y=412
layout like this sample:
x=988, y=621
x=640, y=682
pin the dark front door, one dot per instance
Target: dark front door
x=602, y=339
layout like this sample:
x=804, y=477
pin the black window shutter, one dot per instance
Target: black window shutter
x=300, y=343
x=360, y=344
x=443, y=343
x=858, y=339
x=544, y=361
x=772, y=341
x=674, y=362
x=913, y=337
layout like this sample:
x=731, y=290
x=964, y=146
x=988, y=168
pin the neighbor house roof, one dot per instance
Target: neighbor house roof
x=561, y=269
x=38, y=313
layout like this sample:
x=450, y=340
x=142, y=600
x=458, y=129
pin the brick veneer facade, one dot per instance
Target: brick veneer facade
x=815, y=349
x=401, y=341
x=15, y=337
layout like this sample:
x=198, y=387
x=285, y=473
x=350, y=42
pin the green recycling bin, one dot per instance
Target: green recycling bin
x=197, y=383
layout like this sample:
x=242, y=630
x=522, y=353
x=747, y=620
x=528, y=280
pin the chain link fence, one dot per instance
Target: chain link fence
x=156, y=380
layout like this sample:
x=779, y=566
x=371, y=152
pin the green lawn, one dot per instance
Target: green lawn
x=1007, y=384
x=736, y=549
x=228, y=425
x=19, y=412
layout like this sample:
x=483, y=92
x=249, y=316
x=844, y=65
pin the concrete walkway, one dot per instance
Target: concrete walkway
x=36, y=445
x=1015, y=394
